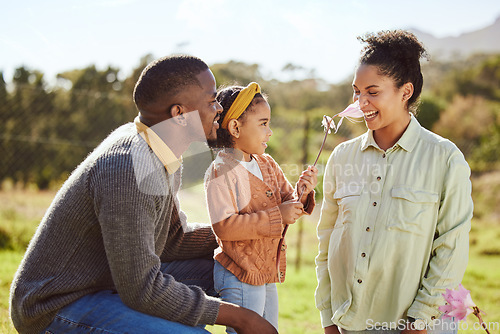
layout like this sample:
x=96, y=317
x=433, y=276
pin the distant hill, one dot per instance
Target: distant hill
x=486, y=40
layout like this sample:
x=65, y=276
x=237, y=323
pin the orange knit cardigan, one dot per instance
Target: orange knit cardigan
x=245, y=217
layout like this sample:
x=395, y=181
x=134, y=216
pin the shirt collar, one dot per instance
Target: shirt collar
x=407, y=141
x=159, y=147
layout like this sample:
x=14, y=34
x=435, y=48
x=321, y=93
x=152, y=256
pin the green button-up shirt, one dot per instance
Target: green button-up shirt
x=393, y=231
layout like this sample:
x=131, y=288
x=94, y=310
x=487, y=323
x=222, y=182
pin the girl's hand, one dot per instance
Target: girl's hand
x=307, y=181
x=290, y=211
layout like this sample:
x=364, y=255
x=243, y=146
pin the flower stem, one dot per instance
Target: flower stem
x=477, y=313
x=322, y=144
x=278, y=255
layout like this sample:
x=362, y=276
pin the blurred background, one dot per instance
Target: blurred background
x=68, y=68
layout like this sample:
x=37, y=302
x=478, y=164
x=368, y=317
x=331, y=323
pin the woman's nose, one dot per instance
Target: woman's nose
x=363, y=100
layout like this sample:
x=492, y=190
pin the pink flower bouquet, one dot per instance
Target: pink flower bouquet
x=459, y=304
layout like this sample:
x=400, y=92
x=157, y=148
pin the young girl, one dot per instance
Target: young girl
x=250, y=202
x=393, y=231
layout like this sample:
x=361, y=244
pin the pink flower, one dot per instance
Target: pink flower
x=459, y=303
x=328, y=124
x=352, y=111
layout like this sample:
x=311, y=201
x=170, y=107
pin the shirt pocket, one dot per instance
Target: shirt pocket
x=347, y=199
x=412, y=210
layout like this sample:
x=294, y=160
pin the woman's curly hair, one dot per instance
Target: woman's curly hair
x=396, y=54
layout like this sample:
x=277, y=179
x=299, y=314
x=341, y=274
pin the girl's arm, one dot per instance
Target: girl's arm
x=289, y=194
x=228, y=224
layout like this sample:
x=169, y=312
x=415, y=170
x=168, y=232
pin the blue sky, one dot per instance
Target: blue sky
x=58, y=35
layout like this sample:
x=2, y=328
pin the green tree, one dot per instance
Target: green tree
x=429, y=111
x=27, y=119
x=95, y=105
x=465, y=121
x=5, y=117
x=235, y=72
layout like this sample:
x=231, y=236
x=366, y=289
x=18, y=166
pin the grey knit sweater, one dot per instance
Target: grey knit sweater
x=109, y=227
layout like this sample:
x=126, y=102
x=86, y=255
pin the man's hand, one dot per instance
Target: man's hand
x=244, y=321
x=290, y=211
x=333, y=329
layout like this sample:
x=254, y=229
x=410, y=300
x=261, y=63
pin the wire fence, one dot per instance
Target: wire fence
x=45, y=134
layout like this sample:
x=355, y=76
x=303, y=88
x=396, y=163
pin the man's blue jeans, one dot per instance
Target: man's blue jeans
x=104, y=312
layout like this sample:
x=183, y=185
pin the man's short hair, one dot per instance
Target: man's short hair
x=165, y=77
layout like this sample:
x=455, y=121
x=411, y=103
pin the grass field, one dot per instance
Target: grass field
x=20, y=212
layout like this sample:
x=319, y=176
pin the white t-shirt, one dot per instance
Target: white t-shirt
x=253, y=167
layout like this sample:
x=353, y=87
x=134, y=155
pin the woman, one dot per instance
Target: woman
x=393, y=231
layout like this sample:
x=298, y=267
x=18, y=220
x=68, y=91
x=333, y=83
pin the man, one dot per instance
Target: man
x=113, y=252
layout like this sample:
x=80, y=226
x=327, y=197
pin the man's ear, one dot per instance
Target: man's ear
x=407, y=91
x=234, y=128
x=177, y=112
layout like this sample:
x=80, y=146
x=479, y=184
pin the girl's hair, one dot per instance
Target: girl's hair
x=396, y=54
x=226, y=97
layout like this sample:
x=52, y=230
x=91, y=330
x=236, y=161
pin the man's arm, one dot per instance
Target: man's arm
x=196, y=237
x=243, y=320
x=131, y=221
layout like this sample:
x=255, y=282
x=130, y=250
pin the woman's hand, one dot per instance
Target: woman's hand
x=333, y=329
x=414, y=331
x=307, y=181
x=412, y=328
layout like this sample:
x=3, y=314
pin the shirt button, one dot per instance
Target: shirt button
x=379, y=178
x=255, y=196
x=363, y=254
x=383, y=155
x=360, y=281
x=368, y=229
x=374, y=203
x=264, y=204
x=269, y=193
x=282, y=274
x=283, y=247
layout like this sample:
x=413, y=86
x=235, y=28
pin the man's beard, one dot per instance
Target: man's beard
x=212, y=143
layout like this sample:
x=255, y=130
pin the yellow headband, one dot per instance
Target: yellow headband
x=242, y=102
